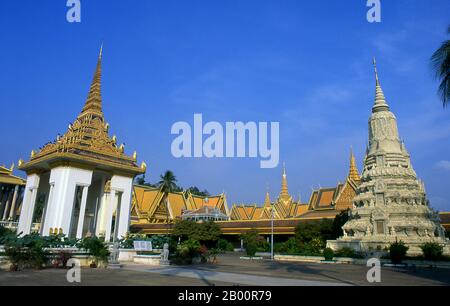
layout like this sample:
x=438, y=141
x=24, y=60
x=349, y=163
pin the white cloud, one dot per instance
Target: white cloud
x=444, y=165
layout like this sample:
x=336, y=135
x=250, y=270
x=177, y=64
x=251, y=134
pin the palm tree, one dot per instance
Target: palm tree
x=168, y=183
x=441, y=65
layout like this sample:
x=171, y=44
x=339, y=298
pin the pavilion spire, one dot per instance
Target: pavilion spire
x=380, y=100
x=93, y=103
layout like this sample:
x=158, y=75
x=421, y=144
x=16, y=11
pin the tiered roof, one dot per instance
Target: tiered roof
x=87, y=141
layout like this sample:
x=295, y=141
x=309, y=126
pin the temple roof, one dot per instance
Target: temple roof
x=6, y=177
x=87, y=141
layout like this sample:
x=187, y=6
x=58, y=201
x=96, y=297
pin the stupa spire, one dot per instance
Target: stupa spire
x=93, y=103
x=380, y=100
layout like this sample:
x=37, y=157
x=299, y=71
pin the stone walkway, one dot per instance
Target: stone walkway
x=233, y=278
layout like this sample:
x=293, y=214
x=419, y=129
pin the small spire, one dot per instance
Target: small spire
x=284, y=185
x=380, y=100
x=353, y=173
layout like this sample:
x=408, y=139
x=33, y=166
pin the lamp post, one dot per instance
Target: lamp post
x=271, y=236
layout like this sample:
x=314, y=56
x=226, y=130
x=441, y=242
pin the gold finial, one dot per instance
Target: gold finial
x=20, y=163
x=107, y=127
x=12, y=167
x=134, y=155
x=122, y=148
x=143, y=166
x=114, y=139
x=32, y=153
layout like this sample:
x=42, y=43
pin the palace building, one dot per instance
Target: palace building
x=81, y=184
x=11, y=191
x=153, y=205
x=152, y=214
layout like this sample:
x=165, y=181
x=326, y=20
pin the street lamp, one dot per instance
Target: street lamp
x=271, y=238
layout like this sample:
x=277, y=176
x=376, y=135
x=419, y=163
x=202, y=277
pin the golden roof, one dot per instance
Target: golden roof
x=87, y=140
x=148, y=202
x=6, y=176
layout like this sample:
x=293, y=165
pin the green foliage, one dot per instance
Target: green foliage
x=291, y=246
x=440, y=62
x=251, y=240
x=305, y=232
x=348, y=252
x=158, y=241
x=96, y=248
x=432, y=251
x=338, y=223
x=168, y=182
x=225, y=245
x=6, y=234
x=328, y=254
x=187, y=250
x=397, y=252
x=207, y=232
x=27, y=252
x=196, y=191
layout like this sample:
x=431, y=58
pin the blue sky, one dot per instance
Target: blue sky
x=306, y=64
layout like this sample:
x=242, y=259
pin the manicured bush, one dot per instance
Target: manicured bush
x=328, y=254
x=397, y=252
x=432, y=251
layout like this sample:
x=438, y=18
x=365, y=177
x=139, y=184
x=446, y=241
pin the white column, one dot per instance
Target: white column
x=14, y=201
x=26, y=214
x=7, y=205
x=125, y=185
x=109, y=214
x=82, y=212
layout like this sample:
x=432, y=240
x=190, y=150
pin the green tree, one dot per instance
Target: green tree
x=440, y=61
x=338, y=223
x=305, y=232
x=196, y=191
x=168, y=182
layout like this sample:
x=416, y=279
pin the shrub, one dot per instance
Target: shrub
x=225, y=245
x=251, y=249
x=291, y=246
x=207, y=233
x=96, y=248
x=432, y=251
x=328, y=254
x=26, y=252
x=188, y=250
x=397, y=252
x=347, y=252
x=251, y=240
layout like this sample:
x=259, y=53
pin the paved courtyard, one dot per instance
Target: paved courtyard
x=230, y=270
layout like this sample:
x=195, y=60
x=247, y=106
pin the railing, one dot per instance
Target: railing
x=12, y=225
